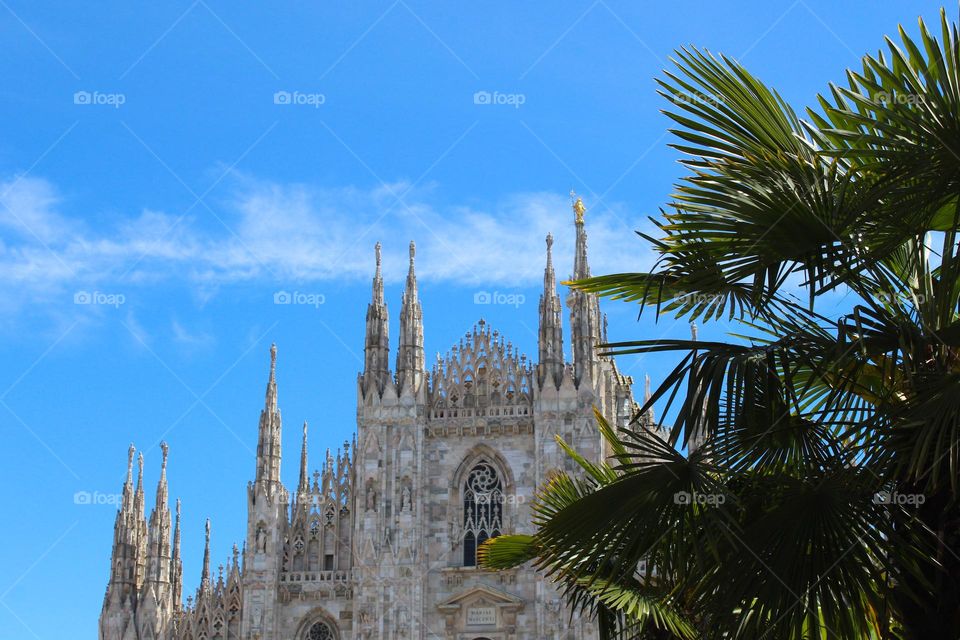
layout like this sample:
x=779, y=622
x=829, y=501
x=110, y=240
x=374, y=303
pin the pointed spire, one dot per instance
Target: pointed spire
x=411, y=276
x=410, y=357
x=550, y=338
x=127, y=502
x=176, y=566
x=158, y=541
x=138, y=502
x=303, y=487
x=581, y=267
x=271, y=401
x=269, y=432
x=130, y=453
x=378, y=277
x=646, y=398
x=205, y=576
x=698, y=425
x=176, y=534
x=124, y=553
x=376, y=344
x=162, y=484
x=586, y=323
x=549, y=277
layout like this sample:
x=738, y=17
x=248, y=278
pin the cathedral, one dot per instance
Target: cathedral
x=381, y=541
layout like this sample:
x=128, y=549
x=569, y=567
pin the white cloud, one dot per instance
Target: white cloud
x=298, y=233
x=190, y=339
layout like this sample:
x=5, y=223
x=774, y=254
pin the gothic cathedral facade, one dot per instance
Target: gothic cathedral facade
x=381, y=542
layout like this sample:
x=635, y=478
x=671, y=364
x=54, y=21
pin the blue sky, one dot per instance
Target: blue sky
x=182, y=162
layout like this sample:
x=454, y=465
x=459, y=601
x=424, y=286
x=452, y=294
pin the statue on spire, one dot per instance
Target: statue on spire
x=578, y=208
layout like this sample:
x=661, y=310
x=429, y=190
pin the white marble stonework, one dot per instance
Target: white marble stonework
x=379, y=542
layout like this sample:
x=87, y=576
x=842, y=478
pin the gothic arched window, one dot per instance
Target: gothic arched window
x=319, y=631
x=482, y=509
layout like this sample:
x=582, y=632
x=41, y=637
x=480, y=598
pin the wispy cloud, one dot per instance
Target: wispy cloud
x=298, y=233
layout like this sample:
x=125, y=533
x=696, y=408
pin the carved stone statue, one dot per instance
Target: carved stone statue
x=371, y=497
x=261, y=539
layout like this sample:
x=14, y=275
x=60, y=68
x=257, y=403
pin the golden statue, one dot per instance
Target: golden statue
x=578, y=208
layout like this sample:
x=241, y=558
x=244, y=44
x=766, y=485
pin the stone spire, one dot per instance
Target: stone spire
x=581, y=267
x=138, y=500
x=205, y=576
x=162, y=484
x=127, y=503
x=124, y=533
x=271, y=400
x=410, y=357
x=697, y=427
x=158, y=568
x=120, y=600
x=303, y=488
x=585, y=319
x=140, y=525
x=268, y=443
x=550, y=338
x=176, y=565
x=376, y=346
x=646, y=398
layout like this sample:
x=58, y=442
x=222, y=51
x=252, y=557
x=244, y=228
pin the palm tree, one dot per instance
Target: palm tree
x=809, y=486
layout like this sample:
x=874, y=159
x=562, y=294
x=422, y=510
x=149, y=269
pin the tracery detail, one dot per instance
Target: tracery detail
x=482, y=371
x=482, y=509
x=319, y=631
